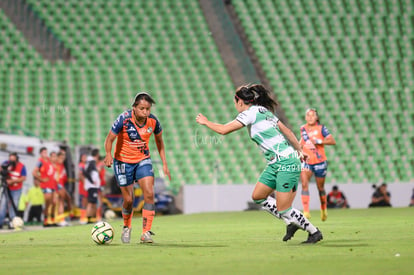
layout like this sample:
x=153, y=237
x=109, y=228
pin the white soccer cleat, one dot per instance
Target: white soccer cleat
x=126, y=235
x=63, y=223
x=146, y=237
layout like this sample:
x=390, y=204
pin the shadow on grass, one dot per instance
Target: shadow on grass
x=184, y=245
x=343, y=243
x=333, y=243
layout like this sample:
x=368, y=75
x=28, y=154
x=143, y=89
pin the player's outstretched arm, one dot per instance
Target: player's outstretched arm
x=161, y=150
x=108, y=160
x=222, y=129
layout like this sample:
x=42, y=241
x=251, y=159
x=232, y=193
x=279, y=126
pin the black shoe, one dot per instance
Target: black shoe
x=315, y=237
x=290, y=231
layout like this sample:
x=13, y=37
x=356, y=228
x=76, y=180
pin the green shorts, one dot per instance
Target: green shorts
x=283, y=175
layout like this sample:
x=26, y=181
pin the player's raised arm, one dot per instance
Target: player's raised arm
x=222, y=129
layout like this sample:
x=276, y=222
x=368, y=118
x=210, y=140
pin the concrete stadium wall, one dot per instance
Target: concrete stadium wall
x=219, y=198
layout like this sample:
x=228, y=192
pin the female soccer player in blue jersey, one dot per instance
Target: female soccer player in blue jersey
x=282, y=151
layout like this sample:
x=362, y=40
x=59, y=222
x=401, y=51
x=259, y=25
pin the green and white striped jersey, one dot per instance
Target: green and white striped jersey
x=263, y=129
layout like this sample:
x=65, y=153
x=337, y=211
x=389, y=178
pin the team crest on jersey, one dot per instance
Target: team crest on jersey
x=149, y=130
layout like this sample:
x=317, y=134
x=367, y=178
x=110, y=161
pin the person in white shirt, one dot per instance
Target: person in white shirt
x=92, y=184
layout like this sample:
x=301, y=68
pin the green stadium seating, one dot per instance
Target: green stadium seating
x=350, y=59
x=353, y=61
x=118, y=49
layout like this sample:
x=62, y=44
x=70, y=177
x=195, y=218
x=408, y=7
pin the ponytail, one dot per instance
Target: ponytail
x=256, y=94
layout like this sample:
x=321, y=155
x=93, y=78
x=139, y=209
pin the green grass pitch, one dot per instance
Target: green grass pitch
x=366, y=241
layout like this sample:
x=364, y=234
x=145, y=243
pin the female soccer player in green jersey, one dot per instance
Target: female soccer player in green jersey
x=280, y=148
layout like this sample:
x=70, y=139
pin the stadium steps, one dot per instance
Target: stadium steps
x=35, y=30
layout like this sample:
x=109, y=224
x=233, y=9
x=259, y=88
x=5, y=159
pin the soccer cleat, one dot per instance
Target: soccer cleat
x=324, y=214
x=290, y=231
x=314, y=238
x=126, y=235
x=10, y=225
x=146, y=237
x=63, y=223
x=307, y=214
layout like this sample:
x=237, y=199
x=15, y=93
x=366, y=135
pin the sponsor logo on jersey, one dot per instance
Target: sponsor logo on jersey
x=132, y=132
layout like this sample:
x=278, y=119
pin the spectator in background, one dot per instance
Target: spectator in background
x=15, y=178
x=45, y=173
x=101, y=170
x=83, y=195
x=36, y=200
x=336, y=199
x=381, y=197
x=53, y=160
x=412, y=199
x=22, y=205
x=92, y=184
x=63, y=195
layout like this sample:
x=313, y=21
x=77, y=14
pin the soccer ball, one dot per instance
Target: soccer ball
x=17, y=222
x=102, y=233
x=110, y=214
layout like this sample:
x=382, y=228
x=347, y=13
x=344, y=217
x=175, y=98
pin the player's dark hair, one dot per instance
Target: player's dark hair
x=256, y=94
x=143, y=96
x=42, y=149
x=95, y=152
x=316, y=113
x=15, y=155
